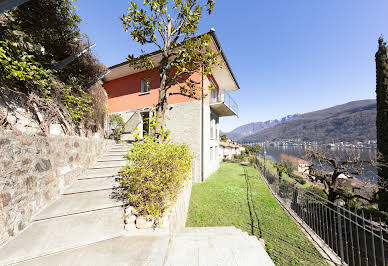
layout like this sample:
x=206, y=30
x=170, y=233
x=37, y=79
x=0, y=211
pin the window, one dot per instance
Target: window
x=213, y=94
x=145, y=85
x=211, y=153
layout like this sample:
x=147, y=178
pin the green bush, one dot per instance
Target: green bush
x=285, y=189
x=117, y=123
x=271, y=178
x=298, y=178
x=155, y=175
x=316, y=190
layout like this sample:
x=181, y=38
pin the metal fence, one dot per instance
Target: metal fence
x=355, y=238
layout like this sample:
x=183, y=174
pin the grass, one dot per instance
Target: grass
x=222, y=200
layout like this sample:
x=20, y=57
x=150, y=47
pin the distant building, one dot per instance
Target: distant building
x=228, y=149
x=300, y=165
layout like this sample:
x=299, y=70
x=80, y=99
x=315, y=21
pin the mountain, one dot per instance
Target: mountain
x=350, y=122
x=251, y=128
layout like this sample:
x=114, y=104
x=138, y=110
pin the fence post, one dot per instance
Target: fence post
x=382, y=242
x=341, y=246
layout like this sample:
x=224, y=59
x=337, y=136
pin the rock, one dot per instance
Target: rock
x=5, y=198
x=130, y=226
x=130, y=210
x=130, y=219
x=43, y=165
x=56, y=129
x=144, y=222
x=262, y=242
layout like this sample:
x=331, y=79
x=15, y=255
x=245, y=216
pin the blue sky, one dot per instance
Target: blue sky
x=289, y=57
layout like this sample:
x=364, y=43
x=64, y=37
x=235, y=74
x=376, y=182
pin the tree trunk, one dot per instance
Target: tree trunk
x=382, y=123
x=161, y=107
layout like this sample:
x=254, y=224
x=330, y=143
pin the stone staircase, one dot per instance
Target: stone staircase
x=85, y=227
x=84, y=214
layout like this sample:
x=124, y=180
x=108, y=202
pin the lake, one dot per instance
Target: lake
x=273, y=153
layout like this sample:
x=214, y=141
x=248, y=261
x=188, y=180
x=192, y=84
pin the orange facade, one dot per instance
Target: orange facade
x=125, y=93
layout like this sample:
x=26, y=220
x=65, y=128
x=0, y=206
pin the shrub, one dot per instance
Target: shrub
x=298, y=178
x=271, y=178
x=285, y=189
x=316, y=190
x=155, y=176
x=116, y=122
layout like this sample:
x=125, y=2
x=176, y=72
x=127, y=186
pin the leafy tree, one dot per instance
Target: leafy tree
x=382, y=122
x=249, y=149
x=223, y=137
x=171, y=28
x=117, y=125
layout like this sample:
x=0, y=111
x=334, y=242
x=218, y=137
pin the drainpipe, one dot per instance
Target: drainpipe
x=202, y=174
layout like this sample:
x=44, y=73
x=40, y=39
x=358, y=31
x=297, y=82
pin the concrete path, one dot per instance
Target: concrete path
x=85, y=227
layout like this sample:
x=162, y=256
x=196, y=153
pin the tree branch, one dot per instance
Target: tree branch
x=180, y=93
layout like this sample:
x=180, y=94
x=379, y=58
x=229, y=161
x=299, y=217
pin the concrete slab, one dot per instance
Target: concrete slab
x=93, y=184
x=78, y=203
x=136, y=251
x=112, y=158
x=54, y=235
x=103, y=172
x=114, y=153
x=108, y=164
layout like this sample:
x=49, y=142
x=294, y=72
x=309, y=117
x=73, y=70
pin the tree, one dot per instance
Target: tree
x=171, y=28
x=328, y=169
x=249, y=149
x=223, y=137
x=382, y=122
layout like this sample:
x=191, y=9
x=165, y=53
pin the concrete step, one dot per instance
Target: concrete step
x=136, y=250
x=93, y=184
x=219, y=241
x=100, y=172
x=111, y=158
x=212, y=230
x=55, y=235
x=79, y=203
x=108, y=164
x=216, y=255
x=119, y=149
x=114, y=153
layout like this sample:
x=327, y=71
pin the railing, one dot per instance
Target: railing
x=226, y=99
x=356, y=239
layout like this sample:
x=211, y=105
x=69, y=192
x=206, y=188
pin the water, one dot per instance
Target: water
x=370, y=173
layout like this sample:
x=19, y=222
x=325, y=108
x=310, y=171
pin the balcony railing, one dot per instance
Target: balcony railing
x=226, y=99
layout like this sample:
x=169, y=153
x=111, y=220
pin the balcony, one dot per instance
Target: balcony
x=223, y=104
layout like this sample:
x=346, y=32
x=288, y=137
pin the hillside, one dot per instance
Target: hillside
x=350, y=122
x=252, y=128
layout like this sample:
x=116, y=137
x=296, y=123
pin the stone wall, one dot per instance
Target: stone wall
x=34, y=170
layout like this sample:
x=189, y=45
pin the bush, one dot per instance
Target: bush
x=316, y=190
x=155, y=176
x=298, y=178
x=271, y=178
x=285, y=189
x=116, y=122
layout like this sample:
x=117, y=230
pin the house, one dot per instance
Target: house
x=229, y=148
x=132, y=93
x=300, y=165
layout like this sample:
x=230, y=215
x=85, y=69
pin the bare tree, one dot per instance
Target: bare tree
x=328, y=169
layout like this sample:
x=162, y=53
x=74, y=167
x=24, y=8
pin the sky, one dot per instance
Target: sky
x=289, y=56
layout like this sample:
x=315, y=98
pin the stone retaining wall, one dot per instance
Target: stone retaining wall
x=34, y=170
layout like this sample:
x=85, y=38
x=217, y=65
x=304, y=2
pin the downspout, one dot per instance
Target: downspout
x=202, y=174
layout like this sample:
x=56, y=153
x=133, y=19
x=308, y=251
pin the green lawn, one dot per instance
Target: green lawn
x=223, y=201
